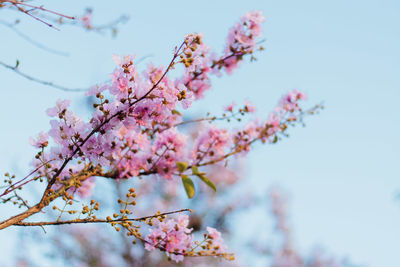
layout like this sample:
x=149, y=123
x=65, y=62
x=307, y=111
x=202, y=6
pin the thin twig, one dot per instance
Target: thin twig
x=44, y=9
x=14, y=186
x=33, y=42
x=80, y=221
x=47, y=83
x=20, y=6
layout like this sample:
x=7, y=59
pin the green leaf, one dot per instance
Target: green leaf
x=189, y=186
x=195, y=170
x=175, y=112
x=207, y=181
x=182, y=166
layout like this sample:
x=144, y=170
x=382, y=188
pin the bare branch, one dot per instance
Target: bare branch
x=80, y=221
x=30, y=40
x=47, y=83
x=21, y=6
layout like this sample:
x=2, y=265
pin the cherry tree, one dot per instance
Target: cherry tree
x=137, y=134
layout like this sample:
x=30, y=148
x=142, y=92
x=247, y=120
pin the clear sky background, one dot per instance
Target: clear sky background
x=342, y=170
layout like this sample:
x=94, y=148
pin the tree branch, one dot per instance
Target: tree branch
x=80, y=221
x=47, y=83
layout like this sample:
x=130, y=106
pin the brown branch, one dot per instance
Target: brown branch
x=80, y=221
x=36, y=18
x=43, y=9
x=23, y=202
x=21, y=6
x=112, y=25
x=19, y=217
x=14, y=186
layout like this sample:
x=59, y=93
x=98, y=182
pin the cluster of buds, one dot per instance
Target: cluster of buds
x=190, y=53
x=121, y=218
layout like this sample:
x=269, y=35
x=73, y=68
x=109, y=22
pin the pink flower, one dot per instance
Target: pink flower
x=255, y=16
x=249, y=107
x=230, y=107
x=217, y=241
x=289, y=102
x=242, y=39
x=126, y=60
x=86, y=19
x=168, y=149
x=273, y=123
x=61, y=106
x=211, y=144
x=41, y=141
x=94, y=90
x=171, y=235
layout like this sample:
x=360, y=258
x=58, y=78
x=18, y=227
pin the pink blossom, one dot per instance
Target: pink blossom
x=273, y=123
x=230, y=107
x=217, y=241
x=94, y=90
x=255, y=18
x=41, y=141
x=86, y=19
x=249, y=107
x=171, y=235
x=211, y=144
x=289, y=102
x=242, y=40
x=61, y=106
x=125, y=60
x=168, y=149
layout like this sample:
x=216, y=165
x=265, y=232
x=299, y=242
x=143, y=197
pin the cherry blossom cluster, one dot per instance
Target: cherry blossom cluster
x=132, y=128
x=242, y=40
x=134, y=131
x=173, y=236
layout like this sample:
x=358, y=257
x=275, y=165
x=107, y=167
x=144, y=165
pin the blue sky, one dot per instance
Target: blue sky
x=341, y=170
